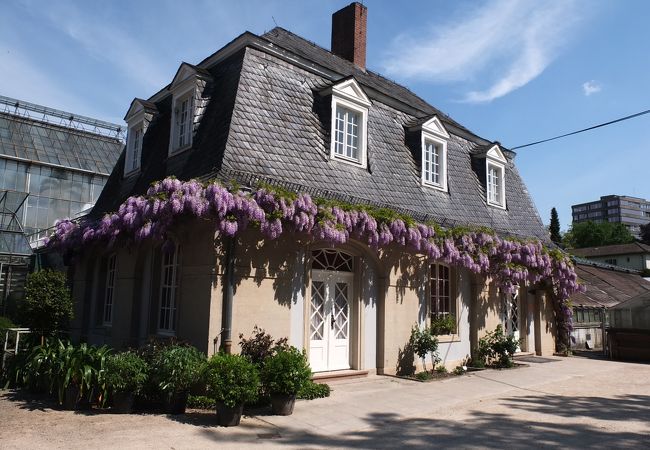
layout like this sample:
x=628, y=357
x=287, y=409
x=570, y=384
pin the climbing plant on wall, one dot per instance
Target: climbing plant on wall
x=508, y=261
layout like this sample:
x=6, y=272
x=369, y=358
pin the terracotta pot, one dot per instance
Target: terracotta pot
x=123, y=402
x=227, y=416
x=282, y=404
x=176, y=403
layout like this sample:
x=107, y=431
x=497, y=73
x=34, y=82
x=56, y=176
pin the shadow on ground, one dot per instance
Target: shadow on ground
x=29, y=401
x=493, y=430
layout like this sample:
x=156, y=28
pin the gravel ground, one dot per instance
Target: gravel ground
x=571, y=403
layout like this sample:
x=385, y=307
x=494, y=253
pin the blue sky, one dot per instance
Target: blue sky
x=510, y=70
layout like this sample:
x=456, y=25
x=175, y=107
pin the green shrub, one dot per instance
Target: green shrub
x=286, y=372
x=260, y=346
x=496, y=349
x=460, y=370
x=82, y=366
x=311, y=391
x=441, y=369
x=176, y=368
x=424, y=343
x=47, y=307
x=423, y=376
x=55, y=365
x=201, y=402
x=231, y=379
x=125, y=372
x=442, y=325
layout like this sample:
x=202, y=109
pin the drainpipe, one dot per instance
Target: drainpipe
x=226, y=317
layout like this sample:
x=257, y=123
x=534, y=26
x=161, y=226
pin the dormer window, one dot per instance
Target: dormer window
x=183, y=113
x=494, y=184
x=187, y=90
x=346, y=135
x=134, y=141
x=349, y=123
x=495, y=170
x=433, y=142
x=138, y=118
x=432, y=162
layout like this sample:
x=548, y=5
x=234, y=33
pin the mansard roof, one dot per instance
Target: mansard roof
x=266, y=120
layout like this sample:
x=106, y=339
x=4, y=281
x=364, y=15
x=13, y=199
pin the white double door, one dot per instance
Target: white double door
x=329, y=320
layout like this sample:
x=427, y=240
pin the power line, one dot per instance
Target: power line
x=584, y=129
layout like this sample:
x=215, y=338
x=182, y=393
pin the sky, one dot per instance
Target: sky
x=513, y=71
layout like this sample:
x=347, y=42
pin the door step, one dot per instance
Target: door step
x=335, y=375
x=518, y=354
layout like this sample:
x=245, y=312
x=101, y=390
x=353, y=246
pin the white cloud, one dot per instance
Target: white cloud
x=591, y=87
x=504, y=44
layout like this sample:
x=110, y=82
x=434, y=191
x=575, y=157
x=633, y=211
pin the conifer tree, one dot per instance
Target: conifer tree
x=554, y=227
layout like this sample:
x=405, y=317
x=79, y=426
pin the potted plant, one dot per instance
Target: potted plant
x=125, y=375
x=443, y=325
x=231, y=380
x=78, y=373
x=176, y=368
x=284, y=375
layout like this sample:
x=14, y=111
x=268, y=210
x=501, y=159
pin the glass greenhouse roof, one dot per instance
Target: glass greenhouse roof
x=34, y=140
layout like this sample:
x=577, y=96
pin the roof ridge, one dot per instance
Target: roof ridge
x=378, y=75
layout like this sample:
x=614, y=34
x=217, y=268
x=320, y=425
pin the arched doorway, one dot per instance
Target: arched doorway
x=330, y=309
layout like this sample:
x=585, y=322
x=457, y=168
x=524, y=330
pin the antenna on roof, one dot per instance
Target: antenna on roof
x=276, y=24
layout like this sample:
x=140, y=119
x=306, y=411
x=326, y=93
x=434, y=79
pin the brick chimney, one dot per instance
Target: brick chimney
x=349, y=33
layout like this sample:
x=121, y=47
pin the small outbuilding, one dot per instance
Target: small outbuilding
x=629, y=329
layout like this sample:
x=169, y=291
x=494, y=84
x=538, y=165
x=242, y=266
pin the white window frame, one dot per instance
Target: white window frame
x=169, y=286
x=494, y=158
x=133, y=154
x=362, y=161
x=109, y=293
x=349, y=95
x=179, y=98
x=450, y=294
x=442, y=175
x=501, y=186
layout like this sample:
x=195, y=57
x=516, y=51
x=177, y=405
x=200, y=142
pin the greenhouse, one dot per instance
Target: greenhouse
x=629, y=330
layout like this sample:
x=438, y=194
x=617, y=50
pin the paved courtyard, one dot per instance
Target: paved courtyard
x=572, y=402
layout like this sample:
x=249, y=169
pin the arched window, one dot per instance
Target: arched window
x=169, y=283
x=331, y=259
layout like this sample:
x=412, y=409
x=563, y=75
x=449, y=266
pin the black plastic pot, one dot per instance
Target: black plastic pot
x=123, y=402
x=176, y=403
x=73, y=400
x=282, y=404
x=227, y=416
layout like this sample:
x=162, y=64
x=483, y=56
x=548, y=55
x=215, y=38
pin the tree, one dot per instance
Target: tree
x=47, y=307
x=593, y=234
x=554, y=227
x=645, y=233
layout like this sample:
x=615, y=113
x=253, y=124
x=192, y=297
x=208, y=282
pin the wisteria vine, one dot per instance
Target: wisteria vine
x=508, y=261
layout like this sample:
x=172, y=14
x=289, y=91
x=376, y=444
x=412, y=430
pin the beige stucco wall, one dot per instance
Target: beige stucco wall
x=264, y=285
x=271, y=291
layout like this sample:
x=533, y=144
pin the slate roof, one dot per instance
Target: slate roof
x=266, y=120
x=607, y=286
x=611, y=250
x=30, y=139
